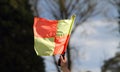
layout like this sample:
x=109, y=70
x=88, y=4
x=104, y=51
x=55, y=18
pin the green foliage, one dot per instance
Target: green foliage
x=16, y=38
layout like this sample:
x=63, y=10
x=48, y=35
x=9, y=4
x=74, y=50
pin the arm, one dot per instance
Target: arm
x=63, y=64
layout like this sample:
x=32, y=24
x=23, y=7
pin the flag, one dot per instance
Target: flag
x=51, y=36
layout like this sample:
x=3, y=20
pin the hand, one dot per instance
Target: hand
x=63, y=64
x=63, y=61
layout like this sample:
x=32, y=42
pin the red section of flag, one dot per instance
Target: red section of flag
x=66, y=43
x=45, y=28
x=61, y=44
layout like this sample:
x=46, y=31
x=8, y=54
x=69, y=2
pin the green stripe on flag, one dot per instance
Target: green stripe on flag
x=44, y=46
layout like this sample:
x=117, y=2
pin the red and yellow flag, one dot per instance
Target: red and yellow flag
x=51, y=36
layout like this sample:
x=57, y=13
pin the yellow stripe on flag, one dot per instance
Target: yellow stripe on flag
x=64, y=27
x=44, y=46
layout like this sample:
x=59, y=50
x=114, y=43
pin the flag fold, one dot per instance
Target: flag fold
x=51, y=36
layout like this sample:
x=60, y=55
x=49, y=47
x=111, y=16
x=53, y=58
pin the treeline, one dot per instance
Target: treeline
x=16, y=38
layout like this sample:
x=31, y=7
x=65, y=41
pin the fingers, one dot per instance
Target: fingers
x=63, y=59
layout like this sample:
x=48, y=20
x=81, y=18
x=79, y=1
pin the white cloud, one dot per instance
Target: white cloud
x=92, y=43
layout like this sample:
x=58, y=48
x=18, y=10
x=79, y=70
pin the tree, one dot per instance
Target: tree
x=117, y=4
x=112, y=65
x=63, y=9
x=16, y=44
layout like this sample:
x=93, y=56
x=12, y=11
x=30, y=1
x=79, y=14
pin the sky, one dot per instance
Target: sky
x=93, y=41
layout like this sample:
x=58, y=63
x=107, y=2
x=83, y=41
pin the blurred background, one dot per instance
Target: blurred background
x=94, y=45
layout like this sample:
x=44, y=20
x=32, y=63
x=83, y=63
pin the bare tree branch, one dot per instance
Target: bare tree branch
x=58, y=70
x=34, y=4
x=82, y=8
